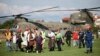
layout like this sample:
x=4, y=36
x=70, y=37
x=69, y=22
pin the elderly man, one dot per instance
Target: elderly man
x=51, y=42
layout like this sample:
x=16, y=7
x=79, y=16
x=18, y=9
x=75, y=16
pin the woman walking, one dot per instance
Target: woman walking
x=59, y=40
x=39, y=42
x=8, y=39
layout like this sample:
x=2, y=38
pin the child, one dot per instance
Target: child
x=14, y=40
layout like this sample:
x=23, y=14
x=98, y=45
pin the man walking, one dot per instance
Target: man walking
x=81, y=39
x=68, y=37
x=88, y=41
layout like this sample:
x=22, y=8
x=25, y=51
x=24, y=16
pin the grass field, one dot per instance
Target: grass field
x=67, y=51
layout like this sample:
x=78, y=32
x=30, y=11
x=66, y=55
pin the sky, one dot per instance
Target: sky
x=10, y=7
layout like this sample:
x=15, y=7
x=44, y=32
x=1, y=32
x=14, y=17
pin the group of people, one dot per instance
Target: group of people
x=24, y=41
x=80, y=38
x=34, y=40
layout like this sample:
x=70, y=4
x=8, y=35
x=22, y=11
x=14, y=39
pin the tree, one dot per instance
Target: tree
x=7, y=24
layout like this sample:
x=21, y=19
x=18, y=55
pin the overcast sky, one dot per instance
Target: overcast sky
x=9, y=7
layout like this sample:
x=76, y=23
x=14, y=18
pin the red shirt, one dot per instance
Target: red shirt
x=75, y=35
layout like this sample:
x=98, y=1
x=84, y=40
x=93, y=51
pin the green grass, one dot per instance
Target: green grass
x=67, y=51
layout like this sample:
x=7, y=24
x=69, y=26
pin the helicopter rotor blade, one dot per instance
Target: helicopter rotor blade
x=69, y=10
x=93, y=8
x=9, y=16
x=48, y=10
x=57, y=10
x=26, y=15
x=28, y=12
x=41, y=10
x=5, y=16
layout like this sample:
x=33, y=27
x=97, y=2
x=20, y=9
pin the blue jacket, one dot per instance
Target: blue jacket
x=88, y=36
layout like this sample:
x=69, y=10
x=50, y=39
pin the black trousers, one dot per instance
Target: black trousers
x=19, y=46
x=51, y=48
x=29, y=48
x=81, y=42
x=68, y=42
x=59, y=43
x=39, y=47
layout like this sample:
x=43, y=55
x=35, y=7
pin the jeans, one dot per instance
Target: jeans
x=14, y=46
x=89, y=45
x=59, y=43
x=9, y=45
x=68, y=41
x=75, y=42
x=81, y=42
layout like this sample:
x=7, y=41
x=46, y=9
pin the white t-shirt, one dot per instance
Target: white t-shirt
x=24, y=41
x=26, y=34
x=33, y=35
x=14, y=39
x=24, y=38
x=51, y=34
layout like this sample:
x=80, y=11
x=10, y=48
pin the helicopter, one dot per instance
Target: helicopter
x=83, y=16
x=22, y=22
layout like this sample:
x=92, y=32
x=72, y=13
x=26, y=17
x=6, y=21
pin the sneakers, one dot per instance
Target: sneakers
x=27, y=51
x=37, y=52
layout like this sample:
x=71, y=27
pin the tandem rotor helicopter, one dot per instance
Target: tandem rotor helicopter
x=22, y=22
x=83, y=16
